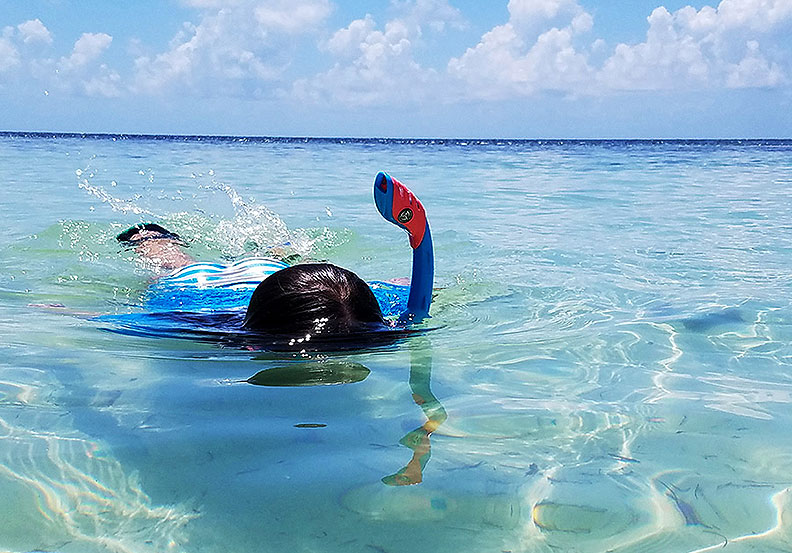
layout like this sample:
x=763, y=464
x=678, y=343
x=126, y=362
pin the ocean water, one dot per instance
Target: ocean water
x=611, y=368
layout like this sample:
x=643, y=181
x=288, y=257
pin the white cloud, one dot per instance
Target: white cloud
x=514, y=59
x=9, y=56
x=238, y=46
x=376, y=66
x=105, y=83
x=248, y=48
x=290, y=16
x=582, y=23
x=488, y=67
x=88, y=48
x=754, y=70
x=437, y=15
x=14, y=39
x=81, y=71
x=699, y=49
x=544, y=46
x=666, y=60
x=347, y=42
x=537, y=11
x=34, y=31
x=757, y=15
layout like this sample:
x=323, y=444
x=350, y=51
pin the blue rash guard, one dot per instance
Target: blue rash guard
x=209, y=297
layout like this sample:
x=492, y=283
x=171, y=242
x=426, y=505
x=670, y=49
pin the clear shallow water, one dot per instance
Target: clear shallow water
x=614, y=356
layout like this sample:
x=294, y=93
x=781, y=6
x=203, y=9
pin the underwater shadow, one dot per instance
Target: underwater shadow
x=327, y=373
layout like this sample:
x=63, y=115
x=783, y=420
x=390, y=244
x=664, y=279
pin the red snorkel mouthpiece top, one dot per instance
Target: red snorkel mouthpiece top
x=406, y=210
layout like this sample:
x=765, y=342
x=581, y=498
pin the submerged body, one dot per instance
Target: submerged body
x=212, y=302
x=301, y=302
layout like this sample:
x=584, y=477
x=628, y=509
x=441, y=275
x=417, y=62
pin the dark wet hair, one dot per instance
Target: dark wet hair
x=129, y=236
x=316, y=299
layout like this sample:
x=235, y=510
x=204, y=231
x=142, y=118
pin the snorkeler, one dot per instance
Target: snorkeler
x=301, y=306
x=307, y=300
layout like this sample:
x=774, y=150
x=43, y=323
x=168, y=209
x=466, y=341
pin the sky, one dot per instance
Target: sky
x=399, y=68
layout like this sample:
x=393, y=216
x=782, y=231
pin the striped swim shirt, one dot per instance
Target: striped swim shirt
x=245, y=273
x=218, y=287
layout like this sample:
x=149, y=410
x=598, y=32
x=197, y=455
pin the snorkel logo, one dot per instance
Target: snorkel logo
x=405, y=216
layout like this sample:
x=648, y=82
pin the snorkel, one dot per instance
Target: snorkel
x=399, y=206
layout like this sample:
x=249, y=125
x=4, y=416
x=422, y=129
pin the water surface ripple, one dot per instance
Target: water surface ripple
x=611, y=368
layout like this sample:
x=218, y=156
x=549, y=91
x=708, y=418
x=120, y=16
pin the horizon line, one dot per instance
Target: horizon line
x=385, y=139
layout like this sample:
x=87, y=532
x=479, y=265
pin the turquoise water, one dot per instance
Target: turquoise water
x=612, y=369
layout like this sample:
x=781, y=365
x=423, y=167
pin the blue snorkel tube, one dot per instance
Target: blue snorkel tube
x=401, y=207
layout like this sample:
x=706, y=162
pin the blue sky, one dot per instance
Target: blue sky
x=423, y=68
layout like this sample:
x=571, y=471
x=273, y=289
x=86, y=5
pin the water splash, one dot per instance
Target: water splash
x=116, y=204
x=249, y=229
x=256, y=229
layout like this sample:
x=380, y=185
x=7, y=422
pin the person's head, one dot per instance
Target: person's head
x=156, y=244
x=315, y=299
